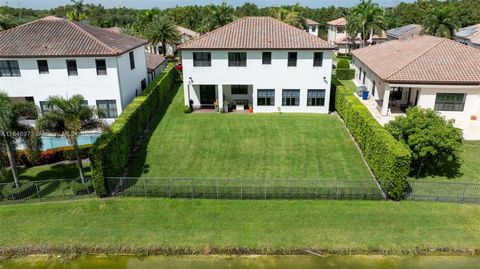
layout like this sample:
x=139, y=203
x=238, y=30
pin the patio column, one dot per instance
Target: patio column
x=386, y=99
x=220, y=96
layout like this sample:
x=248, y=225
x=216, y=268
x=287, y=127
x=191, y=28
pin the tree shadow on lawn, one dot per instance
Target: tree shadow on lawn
x=137, y=167
x=448, y=169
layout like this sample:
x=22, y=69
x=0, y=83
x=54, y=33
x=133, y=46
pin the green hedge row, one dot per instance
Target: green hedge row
x=110, y=153
x=345, y=74
x=49, y=156
x=388, y=158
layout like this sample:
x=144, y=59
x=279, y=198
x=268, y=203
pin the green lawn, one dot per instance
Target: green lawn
x=250, y=146
x=50, y=171
x=124, y=223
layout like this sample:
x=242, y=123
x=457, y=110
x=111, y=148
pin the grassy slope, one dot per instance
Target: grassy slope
x=144, y=223
x=287, y=146
x=51, y=171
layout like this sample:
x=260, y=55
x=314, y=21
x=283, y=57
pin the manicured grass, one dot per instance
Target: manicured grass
x=124, y=223
x=250, y=146
x=50, y=171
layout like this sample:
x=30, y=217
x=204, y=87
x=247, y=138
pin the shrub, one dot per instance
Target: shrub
x=110, y=152
x=388, y=158
x=187, y=110
x=345, y=74
x=26, y=189
x=343, y=64
x=79, y=188
x=49, y=156
x=435, y=142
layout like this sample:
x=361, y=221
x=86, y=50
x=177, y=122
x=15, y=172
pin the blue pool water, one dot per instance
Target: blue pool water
x=50, y=142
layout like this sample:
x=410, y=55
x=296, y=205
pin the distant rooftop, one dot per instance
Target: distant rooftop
x=186, y=31
x=400, y=31
x=154, y=61
x=471, y=32
x=338, y=22
x=311, y=22
x=257, y=33
x=423, y=60
x=57, y=37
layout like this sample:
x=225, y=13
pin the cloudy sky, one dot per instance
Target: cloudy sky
x=45, y=4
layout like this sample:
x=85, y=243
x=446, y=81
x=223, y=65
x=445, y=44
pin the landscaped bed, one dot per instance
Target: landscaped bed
x=249, y=146
x=175, y=226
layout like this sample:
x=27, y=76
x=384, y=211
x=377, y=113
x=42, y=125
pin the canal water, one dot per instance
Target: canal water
x=246, y=262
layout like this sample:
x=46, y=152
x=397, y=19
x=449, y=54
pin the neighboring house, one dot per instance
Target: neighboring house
x=312, y=26
x=469, y=36
x=155, y=65
x=54, y=56
x=185, y=35
x=259, y=61
x=426, y=71
x=336, y=30
x=405, y=32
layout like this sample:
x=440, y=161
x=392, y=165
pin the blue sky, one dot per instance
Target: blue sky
x=45, y=4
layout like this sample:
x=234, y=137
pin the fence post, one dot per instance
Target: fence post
x=265, y=192
x=36, y=188
x=169, y=188
x=463, y=194
x=144, y=187
x=193, y=188
x=216, y=186
x=241, y=189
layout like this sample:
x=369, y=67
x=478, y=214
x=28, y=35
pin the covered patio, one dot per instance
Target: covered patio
x=227, y=97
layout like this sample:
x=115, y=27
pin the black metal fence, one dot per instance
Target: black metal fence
x=443, y=191
x=244, y=189
x=46, y=190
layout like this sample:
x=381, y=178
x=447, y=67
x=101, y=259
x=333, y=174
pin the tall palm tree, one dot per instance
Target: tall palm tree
x=78, y=12
x=289, y=15
x=365, y=19
x=219, y=15
x=441, y=21
x=162, y=30
x=12, y=130
x=70, y=117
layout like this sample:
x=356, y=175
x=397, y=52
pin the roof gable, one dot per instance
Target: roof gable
x=338, y=22
x=257, y=33
x=56, y=37
x=425, y=59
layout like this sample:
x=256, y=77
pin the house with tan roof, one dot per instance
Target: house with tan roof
x=469, y=36
x=312, y=27
x=54, y=56
x=185, y=35
x=405, y=32
x=426, y=71
x=259, y=62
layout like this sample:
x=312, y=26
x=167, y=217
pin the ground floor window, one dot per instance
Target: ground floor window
x=450, y=102
x=291, y=97
x=45, y=107
x=316, y=98
x=108, y=107
x=266, y=97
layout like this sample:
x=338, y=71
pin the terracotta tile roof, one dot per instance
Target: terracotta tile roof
x=185, y=31
x=338, y=22
x=257, y=33
x=56, y=37
x=471, y=33
x=422, y=60
x=311, y=22
x=154, y=61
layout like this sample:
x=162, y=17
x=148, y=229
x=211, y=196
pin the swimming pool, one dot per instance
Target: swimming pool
x=50, y=142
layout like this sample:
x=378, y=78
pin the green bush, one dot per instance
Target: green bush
x=79, y=188
x=345, y=74
x=343, y=64
x=26, y=189
x=54, y=155
x=110, y=152
x=388, y=158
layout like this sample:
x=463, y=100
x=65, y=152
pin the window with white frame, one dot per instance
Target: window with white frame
x=9, y=68
x=265, y=97
x=316, y=98
x=108, y=107
x=450, y=102
x=291, y=97
x=202, y=59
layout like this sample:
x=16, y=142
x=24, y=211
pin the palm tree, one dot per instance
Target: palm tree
x=78, y=12
x=365, y=19
x=70, y=117
x=441, y=21
x=289, y=15
x=12, y=130
x=219, y=15
x=162, y=30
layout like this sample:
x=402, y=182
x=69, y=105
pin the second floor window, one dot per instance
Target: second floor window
x=72, y=68
x=9, y=69
x=291, y=97
x=266, y=58
x=202, y=59
x=132, y=60
x=42, y=66
x=108, y=108
x=237, y=59
x=101, y=67
x=292, y=59
x=317, y=58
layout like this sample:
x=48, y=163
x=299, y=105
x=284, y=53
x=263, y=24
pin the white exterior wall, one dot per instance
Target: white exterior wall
x=313, y=29
x=332, y=34
x=276, y=76
x=130, y=79
x=90, y=85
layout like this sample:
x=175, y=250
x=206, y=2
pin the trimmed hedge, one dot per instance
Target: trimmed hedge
x=345, y=74
x=110, y=152
x=388, y=158
x=54, y=155
x=343, y=64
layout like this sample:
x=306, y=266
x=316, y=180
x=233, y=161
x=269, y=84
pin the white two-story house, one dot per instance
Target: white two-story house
x=259, y=62
x=54, y=56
